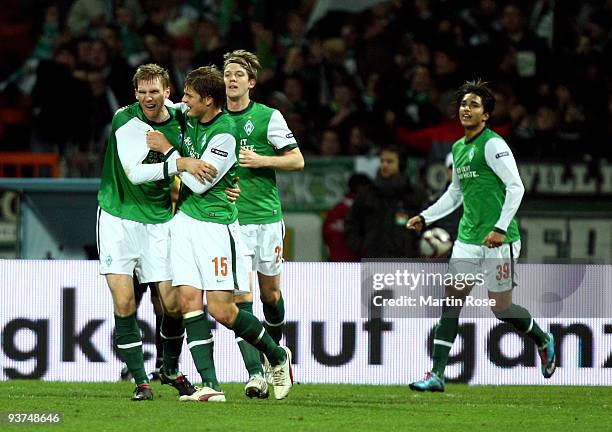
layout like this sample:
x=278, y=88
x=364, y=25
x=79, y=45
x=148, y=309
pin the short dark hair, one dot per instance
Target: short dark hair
x=479, y=88
x=401, y=156
x=207, y=81
x=149, y=72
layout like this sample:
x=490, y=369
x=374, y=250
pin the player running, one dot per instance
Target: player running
x=487, y=181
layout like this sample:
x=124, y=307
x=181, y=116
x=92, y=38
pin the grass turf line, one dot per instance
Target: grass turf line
x=309, y=407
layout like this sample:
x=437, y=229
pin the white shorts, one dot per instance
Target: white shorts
x=126, y=246
x=497, y=265
x=207, y=255
x=265, y=246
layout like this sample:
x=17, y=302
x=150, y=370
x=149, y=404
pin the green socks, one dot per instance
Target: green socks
x=250, y=354
x=444, y=336
x=129, y=342
x=200, y=343
x=521, y=319
x=171, y=333
x=275, y=319
x=250, y=329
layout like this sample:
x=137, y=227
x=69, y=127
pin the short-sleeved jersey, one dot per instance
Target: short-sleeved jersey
x=148, y=202
x=263, y=130
x=213, y=205
x=483, y=191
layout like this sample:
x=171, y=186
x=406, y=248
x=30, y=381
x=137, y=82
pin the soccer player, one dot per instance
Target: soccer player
x=266, y=145
x=207, y=252
x=132, y=224
x=487, y=181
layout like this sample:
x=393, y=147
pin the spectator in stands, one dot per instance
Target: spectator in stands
x=330, y=143
x=375, y=226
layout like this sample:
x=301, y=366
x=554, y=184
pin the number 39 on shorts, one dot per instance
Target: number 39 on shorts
x=503, y=271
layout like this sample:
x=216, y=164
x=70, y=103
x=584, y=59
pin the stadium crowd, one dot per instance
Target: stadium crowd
x=347, y=83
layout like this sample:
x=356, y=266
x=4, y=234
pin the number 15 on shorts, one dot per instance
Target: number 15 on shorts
x=220, y=266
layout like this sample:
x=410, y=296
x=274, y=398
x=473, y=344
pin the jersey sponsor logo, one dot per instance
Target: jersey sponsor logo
x=248, y=127
x=244, y=145
x=190, y=150
x=502, y=154
x=218, y=152
x=465, y=172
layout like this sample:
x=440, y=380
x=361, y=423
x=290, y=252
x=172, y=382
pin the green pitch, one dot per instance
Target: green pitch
x=337, y=408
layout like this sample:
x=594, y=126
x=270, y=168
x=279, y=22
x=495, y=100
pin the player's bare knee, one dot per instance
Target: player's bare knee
x=125, y=306
x=224, y=313
x=503, y=301
x=270, y=297
x=175, y=311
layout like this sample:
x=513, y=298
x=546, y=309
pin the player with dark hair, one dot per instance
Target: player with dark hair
x=207, y=252
x=266, y=145
x=486, y=180
x=132, y=226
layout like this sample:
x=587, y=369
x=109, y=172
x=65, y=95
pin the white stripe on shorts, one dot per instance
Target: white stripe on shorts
x=530, y=326
x=443, y=342
x=130, y=345
x=200, y=342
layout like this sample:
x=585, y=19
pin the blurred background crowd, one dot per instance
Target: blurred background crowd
x=347, y=83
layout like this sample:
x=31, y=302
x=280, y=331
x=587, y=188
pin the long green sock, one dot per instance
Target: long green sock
x=275, y=319
x=444, y=336
x=129, y=342
x=521, y=319
x=250, y=329
x=200, y=343
x=171, y=332
x=250, y=354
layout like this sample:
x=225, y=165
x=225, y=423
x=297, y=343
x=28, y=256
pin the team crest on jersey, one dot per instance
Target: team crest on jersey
x=248, y=127
x=471, y=153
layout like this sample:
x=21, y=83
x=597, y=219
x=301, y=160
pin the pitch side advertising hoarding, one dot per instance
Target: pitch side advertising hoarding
x=56, y=322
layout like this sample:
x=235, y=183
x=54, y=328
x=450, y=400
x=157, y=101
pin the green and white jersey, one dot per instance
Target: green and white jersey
x=486, y=179
x=263, y=130
x=136, y=182
x=215, y=143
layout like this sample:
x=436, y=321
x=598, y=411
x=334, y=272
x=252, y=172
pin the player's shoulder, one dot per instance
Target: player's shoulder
x=457, y=143
x=494, y=140
x=225, y=123
x=225, y=120
x=125, y=114
x=262, y=110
